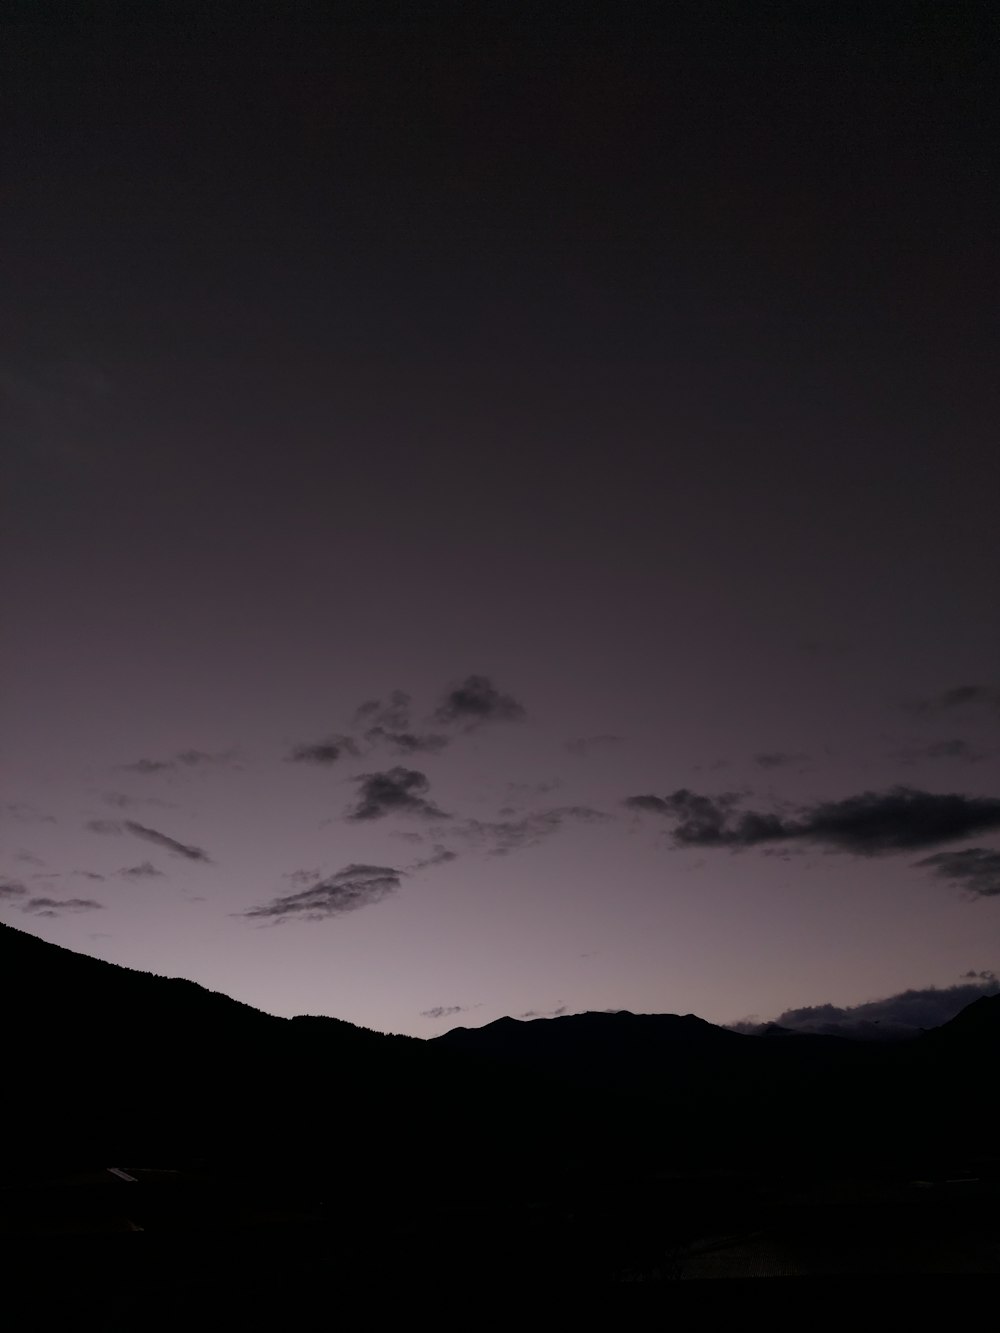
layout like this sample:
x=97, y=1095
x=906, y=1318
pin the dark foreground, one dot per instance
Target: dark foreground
x=202, y=1244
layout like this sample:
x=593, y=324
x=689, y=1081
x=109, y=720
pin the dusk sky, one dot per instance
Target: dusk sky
x=499, y=503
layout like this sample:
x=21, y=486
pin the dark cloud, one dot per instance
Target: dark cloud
x=323, y=752
x=976, y=869
x=546, y=1013
x=475, y=701
x=171, y=844
x=655, y=805
x=962, y=696
x=60, y=906
x=88, y=874
x=950, y=749
x=145, y=870
x=869, y=824
x=509, y=835
x=11, y=888
x=353, y=887
x=588, y=745
x=902, y=1015
x=777, y=759
x=407, y=742
x=397, y=791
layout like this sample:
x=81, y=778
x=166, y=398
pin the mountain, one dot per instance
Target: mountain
x=108, y=1063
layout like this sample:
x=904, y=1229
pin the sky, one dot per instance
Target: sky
x=499, y=503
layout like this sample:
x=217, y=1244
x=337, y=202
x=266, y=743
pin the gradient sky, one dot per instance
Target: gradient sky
x=427, y=430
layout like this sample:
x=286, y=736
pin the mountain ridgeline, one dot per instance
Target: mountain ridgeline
x=102, y=1062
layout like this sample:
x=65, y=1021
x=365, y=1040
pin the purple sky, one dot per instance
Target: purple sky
x=613, y=409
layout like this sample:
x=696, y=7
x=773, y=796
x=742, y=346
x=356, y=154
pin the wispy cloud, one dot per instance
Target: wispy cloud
x=60, y=906
x=544, y=1013
x=444, y=1010
x=144, y=870
x=501, y=836
x=778, y=758
x=115, y=826
x=948, y=749
x=190, y=853
x=438, y=856
x=351, y=888
x=22, y=813
x=393, y=714
x=961, y=697
x=476, y=700
x=396, y=791
x=180, y=760
x=124, y=801
x=407, y=742
x=869, y=824
x=11, y=888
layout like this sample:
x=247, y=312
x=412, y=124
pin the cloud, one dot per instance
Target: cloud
x=976, y=869
x=26, y=814
x=962, y=696
x=508, y=835
x=475, y=701
x=105, y=826
x=777, y=759
x=547, y=1013
x=869, y=824
x=407, y=742
x=88, y=874
x=900, y=1015
x=655, y=805
x=11, y=888
x=323, y=752
x=443, y=1010
x=397, y=791
x=145, y=870
x=171, y=844
x=588, y=745
x=393, y=715
x=122, y=801
x=60, y=906
x=438, y=856
x=182, y=759
x=348, y=890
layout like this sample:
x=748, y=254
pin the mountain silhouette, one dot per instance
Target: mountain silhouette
x=105, y=1063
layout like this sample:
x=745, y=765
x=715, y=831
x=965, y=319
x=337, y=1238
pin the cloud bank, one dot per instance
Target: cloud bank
x=869, y=824
x=901, y=1015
